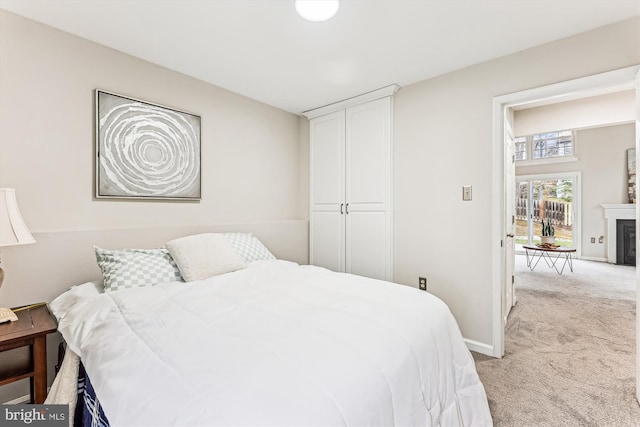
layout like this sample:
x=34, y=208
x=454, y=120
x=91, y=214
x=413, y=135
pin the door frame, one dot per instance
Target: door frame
x=577, y=200
x=509, y=299
x=625, y=78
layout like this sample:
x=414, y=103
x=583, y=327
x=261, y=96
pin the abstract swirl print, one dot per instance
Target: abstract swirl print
x=146, y=150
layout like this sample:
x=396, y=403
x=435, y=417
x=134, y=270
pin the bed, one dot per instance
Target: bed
x=272, y=343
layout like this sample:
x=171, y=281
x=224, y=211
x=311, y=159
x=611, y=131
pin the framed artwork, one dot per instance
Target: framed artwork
x=146, y=151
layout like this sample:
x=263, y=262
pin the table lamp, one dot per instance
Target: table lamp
x=13, y=231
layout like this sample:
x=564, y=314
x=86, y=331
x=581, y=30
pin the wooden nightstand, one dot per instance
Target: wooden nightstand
x=23, y=349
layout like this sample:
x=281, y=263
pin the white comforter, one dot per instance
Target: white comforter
x=274, y=344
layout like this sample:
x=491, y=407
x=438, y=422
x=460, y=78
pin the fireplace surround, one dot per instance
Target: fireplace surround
x=613, y=213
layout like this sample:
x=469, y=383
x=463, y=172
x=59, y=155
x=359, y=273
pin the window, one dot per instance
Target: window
x=520, y=147
x=544, y=145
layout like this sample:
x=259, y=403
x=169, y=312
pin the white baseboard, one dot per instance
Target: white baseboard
x=19, y=400
x=479, y=347
x=23, y=399
x=592, y=258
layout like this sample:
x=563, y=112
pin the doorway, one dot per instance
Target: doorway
x=503, y=105
x=502, y=250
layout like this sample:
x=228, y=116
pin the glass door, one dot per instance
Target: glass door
x=522, y=215
x=550, y=198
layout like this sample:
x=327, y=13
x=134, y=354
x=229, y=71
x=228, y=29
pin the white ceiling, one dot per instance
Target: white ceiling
x=262, y=49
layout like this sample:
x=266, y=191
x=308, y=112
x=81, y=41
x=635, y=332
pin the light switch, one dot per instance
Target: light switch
x=466, y=192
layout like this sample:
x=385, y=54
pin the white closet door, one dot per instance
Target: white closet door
x=367, y=245
x=327, y=138
x=368, y=189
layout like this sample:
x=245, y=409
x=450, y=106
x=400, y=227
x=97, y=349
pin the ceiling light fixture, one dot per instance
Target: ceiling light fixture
x=317, y=10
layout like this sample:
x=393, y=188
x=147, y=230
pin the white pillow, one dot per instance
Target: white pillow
x=204, y=255
x=249, y=247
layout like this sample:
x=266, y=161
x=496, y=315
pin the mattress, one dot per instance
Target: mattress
x=274, y=344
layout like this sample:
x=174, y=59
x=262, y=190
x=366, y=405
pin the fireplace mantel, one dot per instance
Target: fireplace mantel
x=612, y=213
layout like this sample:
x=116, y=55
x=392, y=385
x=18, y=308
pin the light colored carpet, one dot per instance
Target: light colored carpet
x=589, y=278
x=570, y=350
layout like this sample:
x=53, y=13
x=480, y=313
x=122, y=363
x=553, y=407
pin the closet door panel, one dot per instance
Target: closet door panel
x=326, y=236
x=368, y=154
x=327, y=240
x=367, y=245
x=327, y=161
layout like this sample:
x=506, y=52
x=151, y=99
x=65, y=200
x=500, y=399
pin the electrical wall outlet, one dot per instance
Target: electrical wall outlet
x=422, y=282
x=593, y=240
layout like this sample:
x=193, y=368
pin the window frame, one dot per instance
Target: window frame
x=530, y=148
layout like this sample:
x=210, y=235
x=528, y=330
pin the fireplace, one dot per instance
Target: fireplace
x=626, y=241
x=612, y=213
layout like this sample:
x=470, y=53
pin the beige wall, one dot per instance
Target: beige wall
x=602, y=161
x=251, y=174
x=612, y=108
x=443, y=140
x=250, y=159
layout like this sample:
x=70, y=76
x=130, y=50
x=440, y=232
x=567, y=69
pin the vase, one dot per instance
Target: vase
x=548, y=239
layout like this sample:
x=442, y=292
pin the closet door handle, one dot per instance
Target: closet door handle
x=341, y=208
x=347, y=209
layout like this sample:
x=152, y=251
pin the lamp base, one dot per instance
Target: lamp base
x=7, y=315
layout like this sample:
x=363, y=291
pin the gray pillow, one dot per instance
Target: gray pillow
x=249, y=247
x=136, y=268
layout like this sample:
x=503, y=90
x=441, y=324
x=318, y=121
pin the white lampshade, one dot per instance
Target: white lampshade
x=13, y=230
